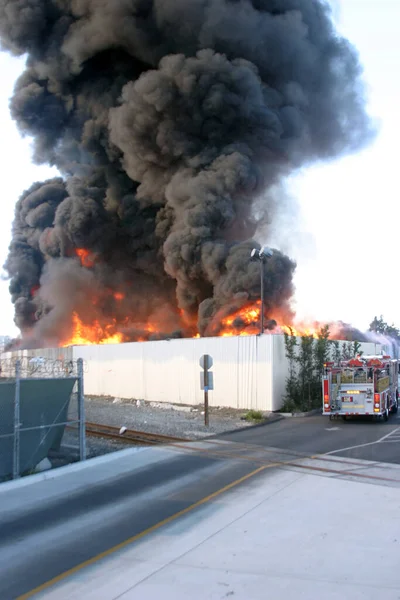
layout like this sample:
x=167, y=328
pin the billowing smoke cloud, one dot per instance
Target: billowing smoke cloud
x=170, y=121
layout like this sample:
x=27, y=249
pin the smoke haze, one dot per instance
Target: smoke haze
x=172, y=122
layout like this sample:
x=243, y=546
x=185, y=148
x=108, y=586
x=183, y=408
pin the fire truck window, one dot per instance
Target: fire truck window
x=360, y=376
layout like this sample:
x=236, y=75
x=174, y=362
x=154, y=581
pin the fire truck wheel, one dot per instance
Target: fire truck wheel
x=385, y=415
x=395, y=407
x=344, y=418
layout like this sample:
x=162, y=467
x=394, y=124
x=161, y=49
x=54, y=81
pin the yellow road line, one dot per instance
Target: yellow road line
x=140, y=535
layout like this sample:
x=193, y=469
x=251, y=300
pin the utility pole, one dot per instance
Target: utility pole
x=262, y=256
x=262, y=294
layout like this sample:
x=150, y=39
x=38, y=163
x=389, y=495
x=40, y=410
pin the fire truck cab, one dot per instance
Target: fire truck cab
x=363, y=386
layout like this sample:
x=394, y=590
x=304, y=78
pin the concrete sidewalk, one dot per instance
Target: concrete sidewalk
x=284, y=534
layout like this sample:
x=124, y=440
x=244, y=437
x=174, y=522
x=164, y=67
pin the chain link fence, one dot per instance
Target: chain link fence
x=39, y=398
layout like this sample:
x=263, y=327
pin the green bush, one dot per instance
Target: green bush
x=306, y=367
x=254, y=415
x=306, y=364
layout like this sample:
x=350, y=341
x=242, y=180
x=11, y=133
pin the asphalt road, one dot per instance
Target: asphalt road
x=51, y=537
x=355, y=438
x=47, y=539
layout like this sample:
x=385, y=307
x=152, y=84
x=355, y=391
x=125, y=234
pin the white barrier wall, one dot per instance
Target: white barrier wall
x=249, y=372
x=169, y=371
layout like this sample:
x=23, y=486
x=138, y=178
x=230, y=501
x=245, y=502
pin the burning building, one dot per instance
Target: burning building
x=170, y=122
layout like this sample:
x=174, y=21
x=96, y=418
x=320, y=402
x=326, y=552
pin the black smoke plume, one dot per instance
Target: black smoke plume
x=169, y=121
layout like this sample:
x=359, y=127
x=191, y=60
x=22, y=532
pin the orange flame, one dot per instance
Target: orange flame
x=246, y=321
x=243, y=322
x=300, y=330
x=85, y=335
x=87, y=259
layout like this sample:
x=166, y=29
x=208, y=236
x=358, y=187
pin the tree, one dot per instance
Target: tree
x=336, y=353
x=321, y=350
x=347, y=351
x=305, y=361
x=380, y=326
x=357, y=349
x=291, y=382
x=306, y=366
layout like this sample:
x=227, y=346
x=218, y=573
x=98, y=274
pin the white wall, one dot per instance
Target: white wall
x=280, y=366
x=249, y=372
x=169, y=371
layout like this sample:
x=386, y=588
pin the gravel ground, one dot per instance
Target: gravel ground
x=178, y=421
x=168, y=419
x=69, y=451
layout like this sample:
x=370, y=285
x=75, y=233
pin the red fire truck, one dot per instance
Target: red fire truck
x=366, y=385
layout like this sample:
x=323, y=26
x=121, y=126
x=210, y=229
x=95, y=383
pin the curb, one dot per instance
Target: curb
x=268, y=421
x=66, y=469
x=310, y=413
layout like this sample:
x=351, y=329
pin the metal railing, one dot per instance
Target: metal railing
x=38, y=399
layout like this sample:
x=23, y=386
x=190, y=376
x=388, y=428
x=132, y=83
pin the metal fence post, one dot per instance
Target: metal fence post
x=81, y=412
x=17, y=424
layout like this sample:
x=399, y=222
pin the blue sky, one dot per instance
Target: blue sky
x=346, y=239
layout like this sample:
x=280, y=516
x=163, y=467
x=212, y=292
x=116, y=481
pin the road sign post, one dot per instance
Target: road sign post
x=206, y=382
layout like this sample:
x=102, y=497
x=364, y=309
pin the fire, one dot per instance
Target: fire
x=246, y=321
x=34, y=290
x=113, y=330
x=87, y=259
x=85, y=335
x=243, y=322
x=299, y=330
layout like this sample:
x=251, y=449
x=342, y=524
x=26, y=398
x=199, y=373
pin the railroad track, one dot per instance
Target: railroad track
x=130, y=436
x=142, y=438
